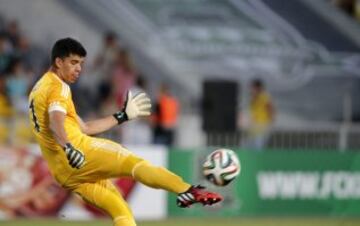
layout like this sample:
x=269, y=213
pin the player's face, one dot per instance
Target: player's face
x=70, y=67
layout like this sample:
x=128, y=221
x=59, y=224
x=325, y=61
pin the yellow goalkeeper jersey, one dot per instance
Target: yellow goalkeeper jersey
x=50, y=93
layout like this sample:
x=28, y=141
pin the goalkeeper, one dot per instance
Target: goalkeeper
x=84, y=164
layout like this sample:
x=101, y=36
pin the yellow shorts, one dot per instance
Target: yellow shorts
x=104, y=159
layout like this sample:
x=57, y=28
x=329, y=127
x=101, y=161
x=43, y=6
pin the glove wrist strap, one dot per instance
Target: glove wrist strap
x=67, y=145
x=120, y=116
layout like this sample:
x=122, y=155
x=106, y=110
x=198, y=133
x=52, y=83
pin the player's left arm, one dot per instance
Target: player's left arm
x=97, y=126
x=134, y=107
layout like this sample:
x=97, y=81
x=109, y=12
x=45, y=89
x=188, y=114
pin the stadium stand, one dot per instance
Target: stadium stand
x=185, y=42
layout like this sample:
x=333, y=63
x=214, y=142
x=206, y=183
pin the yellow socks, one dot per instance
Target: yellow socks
x=159, y=177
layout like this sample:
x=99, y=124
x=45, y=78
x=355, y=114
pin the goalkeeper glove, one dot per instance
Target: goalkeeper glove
x=75, y=157
x=137, y=106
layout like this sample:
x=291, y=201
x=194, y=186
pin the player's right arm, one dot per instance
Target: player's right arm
x=56, y=119
x=57, y=103
x=75, y=157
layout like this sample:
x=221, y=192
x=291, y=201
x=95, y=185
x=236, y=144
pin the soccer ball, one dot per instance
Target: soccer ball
x=221, y=167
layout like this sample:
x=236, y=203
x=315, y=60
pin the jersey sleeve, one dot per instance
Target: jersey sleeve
x=58, y=98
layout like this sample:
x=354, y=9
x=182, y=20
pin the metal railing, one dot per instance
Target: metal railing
x=329, y=138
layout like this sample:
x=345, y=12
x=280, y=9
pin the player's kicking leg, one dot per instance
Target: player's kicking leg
x=108, y=159
x=159, y=177
x=197, y=194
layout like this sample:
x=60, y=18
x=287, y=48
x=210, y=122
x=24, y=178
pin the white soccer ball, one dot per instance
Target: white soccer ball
x=221, y=167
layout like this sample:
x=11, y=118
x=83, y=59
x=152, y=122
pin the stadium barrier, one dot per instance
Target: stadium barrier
x=274, y=182
x=271, y=183
x=28, y=190
x=324, y=137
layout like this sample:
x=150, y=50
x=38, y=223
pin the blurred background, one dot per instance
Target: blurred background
x=277, y=81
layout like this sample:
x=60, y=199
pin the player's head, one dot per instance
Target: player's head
x=67, y=57
x=110, y=38
x=256, y=86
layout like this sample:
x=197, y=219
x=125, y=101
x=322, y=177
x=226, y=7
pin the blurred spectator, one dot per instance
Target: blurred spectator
x=5, y=105
x=107, y=55
x=17, y=85
x=97, y=79
x=351, y=7
x=13, y=33
x=5, y=53
x=26, y=54
x=261, y=116
x=357, y=10
x=105, y=59
x=346, y=5
x=123, y=76
x=5, y=112
x=107, y=105
x=137, y=131
x=19, y=59
x=165, y=117
x=107, y=100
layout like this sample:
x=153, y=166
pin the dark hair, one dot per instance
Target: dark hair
x=110, y=36
x=65, y=47
x=257, y=83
